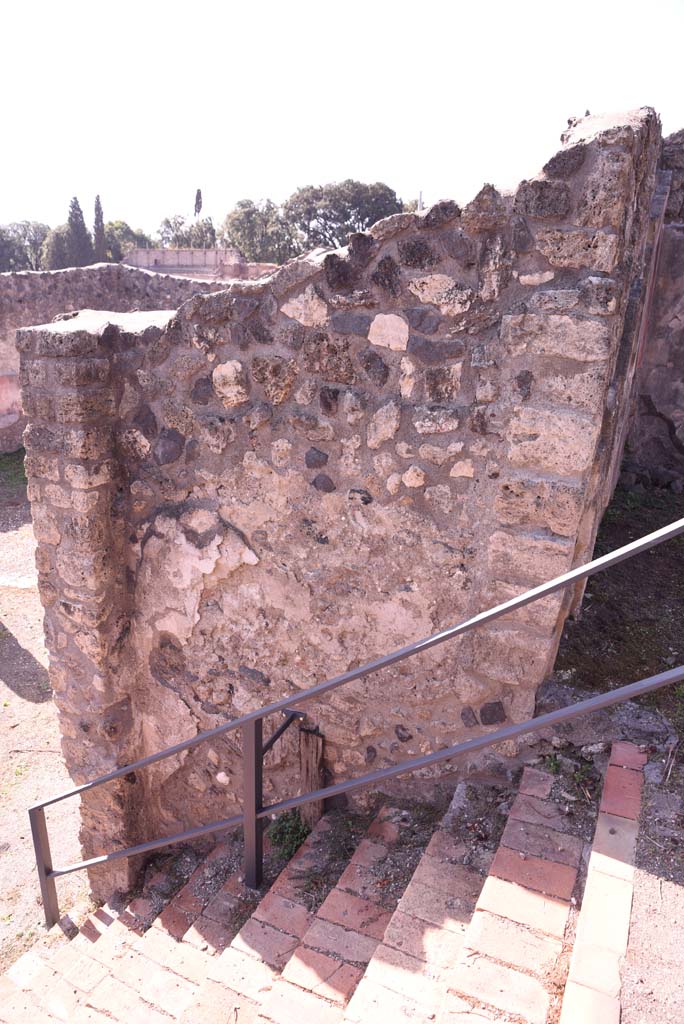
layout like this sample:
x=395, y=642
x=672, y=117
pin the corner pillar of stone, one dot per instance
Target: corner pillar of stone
x=73, y=483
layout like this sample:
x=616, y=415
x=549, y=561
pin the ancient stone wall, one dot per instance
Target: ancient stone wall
x=292, y=476
x=655, y=451
x=36, y=297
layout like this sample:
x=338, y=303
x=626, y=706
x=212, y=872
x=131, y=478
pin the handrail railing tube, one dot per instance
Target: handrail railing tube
x=581, y=572
x=551, y=718
x=253, y=800
x=254, y=748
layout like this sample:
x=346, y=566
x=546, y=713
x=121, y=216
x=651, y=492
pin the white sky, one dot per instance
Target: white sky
x=145, y=101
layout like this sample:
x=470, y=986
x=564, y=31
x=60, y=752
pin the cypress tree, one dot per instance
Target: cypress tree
x=55, y=251
x=99, y=241
x=80, y=242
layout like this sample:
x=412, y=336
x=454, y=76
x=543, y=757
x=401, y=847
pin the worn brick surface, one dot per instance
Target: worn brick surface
x=287, y=915
x=537, y=812
x=209, y=935
x=512, y=943
x=157, y=986
x=215, y=1003
x=622, y=792
x=86, y=973
x=288, y=1004
x=541, y=841
x=374, y=1002
x=328, y=977
x=425, y=941
x=268, y=944
x=351, y=911
x=543, y=913
x=331, y=938
x=606, y=908
x=586, y=1006
x=535, y=783
x=456, y=1010
x=452, y=879
x=113, y=997
x=544, y=876
x=502, y=987
x=612, y=850
x=243, y=974
x=417, y=980
x=596, y=967
x=627, y=755
x=438, y=908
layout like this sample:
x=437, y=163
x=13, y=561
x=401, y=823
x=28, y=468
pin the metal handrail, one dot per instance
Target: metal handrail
x=253, y=747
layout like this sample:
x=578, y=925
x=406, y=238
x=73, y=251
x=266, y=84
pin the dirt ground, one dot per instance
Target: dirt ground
x=31, y=765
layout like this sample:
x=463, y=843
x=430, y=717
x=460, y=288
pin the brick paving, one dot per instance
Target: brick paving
x=592, y=993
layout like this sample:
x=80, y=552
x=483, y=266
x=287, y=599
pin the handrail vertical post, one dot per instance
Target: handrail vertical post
x=253, y=800
x=41, y=845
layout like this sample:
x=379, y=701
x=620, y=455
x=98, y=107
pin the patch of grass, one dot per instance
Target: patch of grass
x=287, y=833
x=12, y=469
x=552, y=764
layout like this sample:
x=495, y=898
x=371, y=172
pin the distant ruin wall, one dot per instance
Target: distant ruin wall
x=213, y=263
x=292, y=476
x=655, y=452
x=36, y=297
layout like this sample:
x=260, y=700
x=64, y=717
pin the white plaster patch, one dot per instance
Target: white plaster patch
x=389, y=331
x=463, y=468
x=230, y=382
x=542, y=277
x=308, y=308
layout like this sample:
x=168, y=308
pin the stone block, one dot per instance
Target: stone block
x=450, y=296
x=77, y=372
x=82, y=407
x=539, y=502
x=543, y=199
x=85, y=477
x=558, y=441
x=230, y=382
x=383, y=425
x=554, y=334
x=57, y=341
x=535, y=560
x=389, y=330
x=510, y=657
x=597, y=250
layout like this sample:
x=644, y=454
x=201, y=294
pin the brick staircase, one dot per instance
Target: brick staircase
x=339, y=942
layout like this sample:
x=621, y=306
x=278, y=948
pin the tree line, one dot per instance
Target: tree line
x=263, y=232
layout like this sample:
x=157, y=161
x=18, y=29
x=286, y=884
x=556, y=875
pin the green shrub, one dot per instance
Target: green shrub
x=287, y=833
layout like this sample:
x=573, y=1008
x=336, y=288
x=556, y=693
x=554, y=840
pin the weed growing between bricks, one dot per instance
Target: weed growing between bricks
x=287, y=833
x=334, y=849
x=419, y=820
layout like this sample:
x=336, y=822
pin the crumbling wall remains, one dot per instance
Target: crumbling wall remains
x=36, y=297
x=655, y=452
x=291, y=476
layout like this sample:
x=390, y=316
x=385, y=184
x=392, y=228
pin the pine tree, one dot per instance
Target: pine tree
x=99, y=241
x=80, y=242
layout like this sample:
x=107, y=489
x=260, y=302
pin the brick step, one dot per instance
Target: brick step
x=146, y=962
x=287, y=960
x=406, y=976
x=333, y=952
x=514, y=949
x=592, y=991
